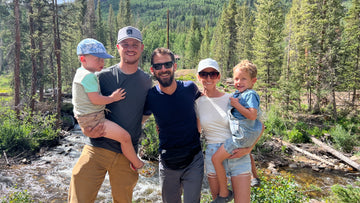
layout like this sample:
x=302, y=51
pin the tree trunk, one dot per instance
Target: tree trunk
x=287, y=74
x=17, y=58
x=1, y=55
x=57, y=49
x=41, y=71
x=33, y=59
x=356, y=77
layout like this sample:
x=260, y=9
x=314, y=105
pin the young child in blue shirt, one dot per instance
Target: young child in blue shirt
x=245, y=125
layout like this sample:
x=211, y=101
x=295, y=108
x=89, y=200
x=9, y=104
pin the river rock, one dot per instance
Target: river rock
x=5, y=180
x=25, y=161
x=327, y=169
x=315, y=168
x=302, y=164
x=293, y=165
x=322, y=166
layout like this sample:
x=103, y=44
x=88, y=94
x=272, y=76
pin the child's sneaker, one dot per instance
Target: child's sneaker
x=255, y=182
x=220, y=199
x=147, y=170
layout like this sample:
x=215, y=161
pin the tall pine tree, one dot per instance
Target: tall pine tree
x=204, y=51
x=245, y=32
x=224, y=39
x=267, y=42
x=351, y=76
x=192, y=46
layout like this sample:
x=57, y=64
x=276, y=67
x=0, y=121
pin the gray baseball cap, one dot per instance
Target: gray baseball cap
x=129, y=32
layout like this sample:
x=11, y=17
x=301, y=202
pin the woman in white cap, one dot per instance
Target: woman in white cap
x=212, y=110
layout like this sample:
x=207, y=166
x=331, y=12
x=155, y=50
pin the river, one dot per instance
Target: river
x=47, y=178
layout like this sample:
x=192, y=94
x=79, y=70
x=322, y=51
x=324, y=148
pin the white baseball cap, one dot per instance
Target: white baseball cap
x=208, y=63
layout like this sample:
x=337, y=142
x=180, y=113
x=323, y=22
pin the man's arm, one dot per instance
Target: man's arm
x=198, y=125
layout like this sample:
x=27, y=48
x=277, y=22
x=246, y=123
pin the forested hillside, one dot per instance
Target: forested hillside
x=303, y=49
x=181, y=12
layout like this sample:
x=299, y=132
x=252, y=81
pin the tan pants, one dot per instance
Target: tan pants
x=89, y=172
x=91, y=119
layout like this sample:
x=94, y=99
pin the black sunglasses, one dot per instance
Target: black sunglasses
x=158, y=66
x=213, y=75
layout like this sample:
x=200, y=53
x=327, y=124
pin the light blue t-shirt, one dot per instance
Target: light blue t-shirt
x=249, y=99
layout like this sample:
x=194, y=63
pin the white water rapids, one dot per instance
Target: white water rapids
x=47, y=178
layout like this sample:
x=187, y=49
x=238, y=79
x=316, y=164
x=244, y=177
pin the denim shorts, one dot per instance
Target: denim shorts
x=245, y=132
x=233, y=167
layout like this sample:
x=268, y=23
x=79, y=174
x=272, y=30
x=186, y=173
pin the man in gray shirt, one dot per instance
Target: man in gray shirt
x=103, y=155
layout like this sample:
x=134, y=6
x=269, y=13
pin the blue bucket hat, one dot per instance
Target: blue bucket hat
x=92, y=47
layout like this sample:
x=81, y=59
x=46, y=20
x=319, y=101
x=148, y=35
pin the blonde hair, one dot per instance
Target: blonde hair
x=247, y=66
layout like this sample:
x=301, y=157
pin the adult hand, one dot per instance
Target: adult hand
x=97, y=131
x=240, y=152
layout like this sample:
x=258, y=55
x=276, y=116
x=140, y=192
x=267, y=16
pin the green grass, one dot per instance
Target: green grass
x=5, y=81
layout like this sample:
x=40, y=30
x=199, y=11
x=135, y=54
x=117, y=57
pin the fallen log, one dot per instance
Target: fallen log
x=311, y=155
x=336, y=153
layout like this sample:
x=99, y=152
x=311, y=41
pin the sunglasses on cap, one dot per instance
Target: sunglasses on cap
x=167, y=65
x=213, y=75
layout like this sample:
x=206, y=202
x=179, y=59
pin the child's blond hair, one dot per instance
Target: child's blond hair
x=247, y=66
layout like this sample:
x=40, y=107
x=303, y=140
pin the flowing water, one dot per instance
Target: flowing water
x=47, y=179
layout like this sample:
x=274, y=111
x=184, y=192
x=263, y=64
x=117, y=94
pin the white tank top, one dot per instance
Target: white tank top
x=212, y=113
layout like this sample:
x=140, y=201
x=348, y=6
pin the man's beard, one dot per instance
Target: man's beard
x=166, y=82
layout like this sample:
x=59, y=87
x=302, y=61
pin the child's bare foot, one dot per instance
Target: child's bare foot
x=146, y=170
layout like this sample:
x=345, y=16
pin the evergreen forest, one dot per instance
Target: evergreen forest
x=307, y=53
x=302, y=48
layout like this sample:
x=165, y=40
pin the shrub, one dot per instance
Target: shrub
x=295, y=136
x=274, y=123
x=343, y=140
x=345, y=194
x=26, y=134
x=187, y=77
x=277, y=189
x=315, y=131
x=150, y=143
x=17, y=197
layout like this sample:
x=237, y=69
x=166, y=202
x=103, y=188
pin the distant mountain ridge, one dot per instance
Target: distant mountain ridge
x=181, y=12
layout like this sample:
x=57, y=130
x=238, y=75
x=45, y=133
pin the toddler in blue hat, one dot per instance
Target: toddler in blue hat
x=89, y=104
